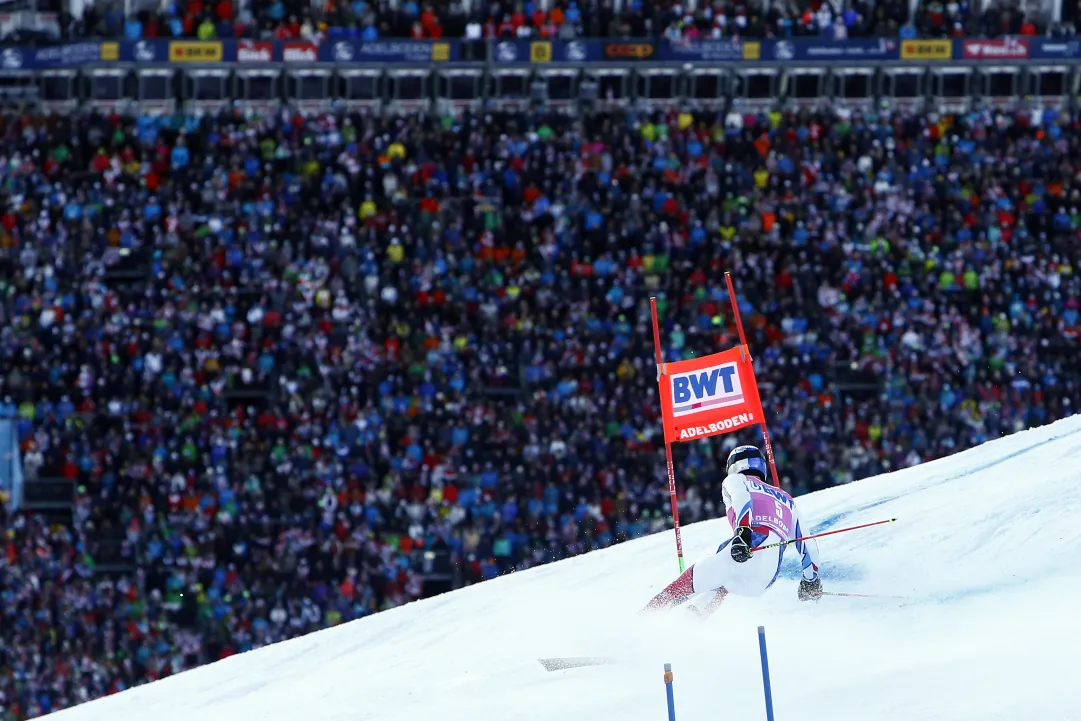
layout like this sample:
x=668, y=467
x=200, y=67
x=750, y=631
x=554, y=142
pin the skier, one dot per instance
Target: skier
x=761, y=515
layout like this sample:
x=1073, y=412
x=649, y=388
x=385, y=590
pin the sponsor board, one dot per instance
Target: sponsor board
x=1000, y=49
x=343, y=52
x=784, y=50
x=253, y=51
x=506, y=52
x=576, y=51
x=926, y=49
x=1047, y=48
x=12, y=59
x=61, y=55
x=629, y=51
x=154, y=50
x=797, y=51
x=828, y=50
x=547, y=51
x=440, y=52
x=706, y=51
x=388, y=51
x=300, y=53
x=540, y=52
x=195, y=51
x=144, y=51
x=706, y=389
x=702, y=397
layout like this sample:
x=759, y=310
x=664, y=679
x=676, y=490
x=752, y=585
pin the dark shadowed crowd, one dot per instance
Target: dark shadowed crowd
x=556, y=19
x=287, y=361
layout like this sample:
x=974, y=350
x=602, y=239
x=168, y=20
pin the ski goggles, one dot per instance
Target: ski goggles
x=748, y=464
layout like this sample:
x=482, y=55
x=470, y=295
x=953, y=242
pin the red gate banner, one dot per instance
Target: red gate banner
x=708, y=396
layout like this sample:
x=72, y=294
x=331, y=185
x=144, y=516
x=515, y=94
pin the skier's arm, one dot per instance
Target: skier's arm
x=808, y=549
x=737, y=500
x=738, y=506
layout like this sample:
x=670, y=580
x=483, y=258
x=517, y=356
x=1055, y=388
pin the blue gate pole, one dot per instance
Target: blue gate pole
x=668, y=692
x=765, y=672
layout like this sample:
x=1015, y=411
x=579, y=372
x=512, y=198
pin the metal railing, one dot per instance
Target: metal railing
x=414, y=76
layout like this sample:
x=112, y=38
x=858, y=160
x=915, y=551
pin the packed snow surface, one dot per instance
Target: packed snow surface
x=985, y=554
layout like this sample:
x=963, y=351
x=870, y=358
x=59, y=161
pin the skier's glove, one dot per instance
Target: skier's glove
x=810, y=590
x=741, y=545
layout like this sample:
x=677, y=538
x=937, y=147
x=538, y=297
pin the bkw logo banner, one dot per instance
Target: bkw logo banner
x=707, y=396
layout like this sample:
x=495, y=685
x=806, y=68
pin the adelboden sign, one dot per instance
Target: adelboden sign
x=707, y=396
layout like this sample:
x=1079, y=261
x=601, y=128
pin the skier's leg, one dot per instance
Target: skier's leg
x=674, y=593
x=750, y=578
x=721, y=572
x=714, y=603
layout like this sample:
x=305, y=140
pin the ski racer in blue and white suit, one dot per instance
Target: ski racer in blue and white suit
x=760, y=515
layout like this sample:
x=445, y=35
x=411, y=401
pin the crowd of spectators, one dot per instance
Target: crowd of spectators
x=283, y=358
x=959, y=19
x=557, y=19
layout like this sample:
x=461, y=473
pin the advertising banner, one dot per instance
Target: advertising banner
x=547, y=51
x=144, y=51
x=513, y=51
x=254, y=51
x=578, y=51
x=811, y=50
x=926, y=50
x=388, y=51
x=705, y=51
x=630, y=51
x=300, y=53
x=60, y=56
x=544, y=52
x=1054, y=49
x=707, y=396
x=196, y=51
x=998, y=49
x=15, y=59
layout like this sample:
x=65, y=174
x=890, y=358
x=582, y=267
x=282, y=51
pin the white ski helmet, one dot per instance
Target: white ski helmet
x=747, y=459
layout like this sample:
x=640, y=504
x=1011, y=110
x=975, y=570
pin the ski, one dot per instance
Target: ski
x=562, y=664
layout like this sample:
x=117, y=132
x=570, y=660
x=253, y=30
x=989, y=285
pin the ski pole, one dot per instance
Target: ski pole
x=859, y=595
x=819, y=535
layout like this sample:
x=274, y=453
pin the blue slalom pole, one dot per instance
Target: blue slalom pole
x=668, y=692
x=765, y=672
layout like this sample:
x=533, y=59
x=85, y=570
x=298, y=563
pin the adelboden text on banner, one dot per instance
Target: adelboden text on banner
x=708, y=396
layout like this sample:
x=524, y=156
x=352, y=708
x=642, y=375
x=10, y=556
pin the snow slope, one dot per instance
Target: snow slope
x=985, y=554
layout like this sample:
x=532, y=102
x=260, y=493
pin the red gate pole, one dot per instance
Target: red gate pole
x=662, y=371
x=747, y=351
